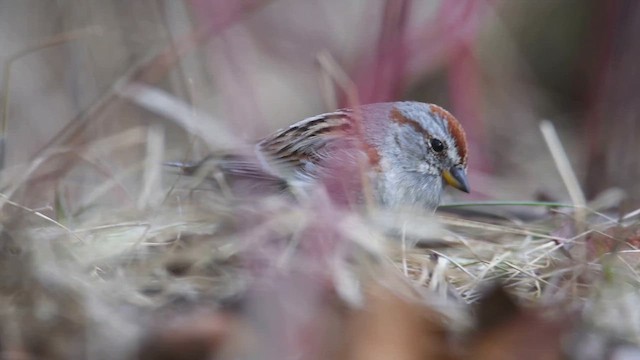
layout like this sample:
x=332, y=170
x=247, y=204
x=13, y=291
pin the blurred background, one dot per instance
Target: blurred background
x=104, y=261
x=254, y=65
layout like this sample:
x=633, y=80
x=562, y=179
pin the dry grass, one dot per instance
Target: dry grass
x=97, y=276
x=128, y=259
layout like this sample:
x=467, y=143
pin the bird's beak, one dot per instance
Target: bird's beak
x=456, y=177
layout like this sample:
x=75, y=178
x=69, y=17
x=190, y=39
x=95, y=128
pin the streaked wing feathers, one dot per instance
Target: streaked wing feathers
x=299, y=149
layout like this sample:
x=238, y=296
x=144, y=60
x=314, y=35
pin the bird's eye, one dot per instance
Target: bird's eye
x=436, y=145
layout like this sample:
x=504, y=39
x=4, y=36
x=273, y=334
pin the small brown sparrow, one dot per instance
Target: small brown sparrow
x=403, y=151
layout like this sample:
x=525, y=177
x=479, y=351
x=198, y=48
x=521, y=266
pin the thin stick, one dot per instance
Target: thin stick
x=331, y=67
x=507, y=203
x=566, y=171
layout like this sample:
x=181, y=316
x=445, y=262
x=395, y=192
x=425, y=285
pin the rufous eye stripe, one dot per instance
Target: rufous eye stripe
x=455, y=129
x=398, y=117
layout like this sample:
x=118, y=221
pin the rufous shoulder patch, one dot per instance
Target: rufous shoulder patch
x=455, y=129
x=373, y=156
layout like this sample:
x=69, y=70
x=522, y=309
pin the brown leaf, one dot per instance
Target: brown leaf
x=390, y=327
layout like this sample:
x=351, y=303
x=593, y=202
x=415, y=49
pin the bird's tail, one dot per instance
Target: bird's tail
x=240, y=173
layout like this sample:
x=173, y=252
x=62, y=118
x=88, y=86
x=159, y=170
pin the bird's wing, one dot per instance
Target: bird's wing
x=299, y=150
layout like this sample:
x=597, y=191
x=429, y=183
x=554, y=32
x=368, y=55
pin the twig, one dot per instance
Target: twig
x=566, y=171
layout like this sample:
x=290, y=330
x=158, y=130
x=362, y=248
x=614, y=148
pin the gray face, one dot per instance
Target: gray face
x=433, y=129
x=418, y=148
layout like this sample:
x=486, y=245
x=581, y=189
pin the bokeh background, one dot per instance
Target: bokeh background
x=101, y=258
x=499, y=66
